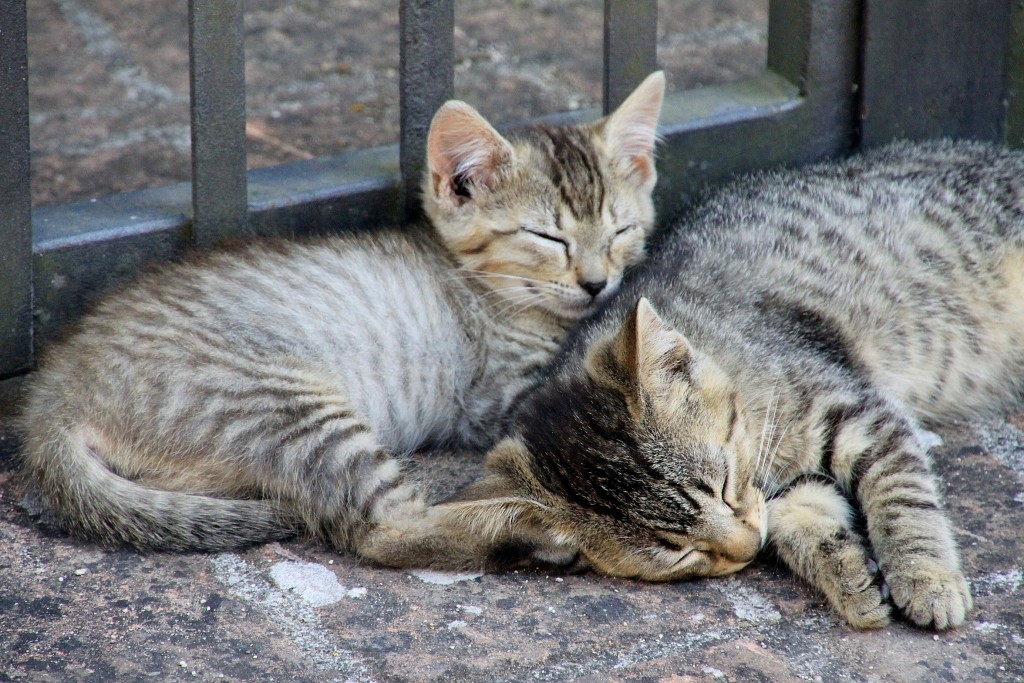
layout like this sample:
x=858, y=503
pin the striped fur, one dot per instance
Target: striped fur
x=808, y=324
x=251, y=394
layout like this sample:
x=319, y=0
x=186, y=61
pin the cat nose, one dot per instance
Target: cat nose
x=594, y=288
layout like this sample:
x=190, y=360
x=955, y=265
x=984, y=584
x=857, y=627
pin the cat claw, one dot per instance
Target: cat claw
x=863, y=601
x=879, y=579
x=930, y=594
x=867, y=609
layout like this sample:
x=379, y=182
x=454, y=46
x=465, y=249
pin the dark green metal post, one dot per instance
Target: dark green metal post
x=15, y=194
x=217, y=78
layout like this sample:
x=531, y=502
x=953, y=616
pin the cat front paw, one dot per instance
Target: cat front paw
x=930, y=594
x=862, y=598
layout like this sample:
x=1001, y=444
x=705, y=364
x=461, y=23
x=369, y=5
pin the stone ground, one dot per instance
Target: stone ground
x=109, y=112
x=296, y=611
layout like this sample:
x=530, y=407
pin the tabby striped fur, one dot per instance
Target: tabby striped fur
x=247, y=395
x=808, y=323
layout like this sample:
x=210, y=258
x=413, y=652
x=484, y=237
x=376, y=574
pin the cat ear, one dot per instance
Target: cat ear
x=641, y=354
x=650, y=349
x=659, y=346
x=464, y=153
x=631, y=131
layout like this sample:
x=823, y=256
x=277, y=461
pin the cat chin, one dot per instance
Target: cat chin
x=570, y=311
x=576, y=309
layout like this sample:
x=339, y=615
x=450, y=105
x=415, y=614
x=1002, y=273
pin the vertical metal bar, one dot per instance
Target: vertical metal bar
x=217, y=83
x=630, y=47
x=1015, y=80
x=790, y=41
x=426, y=81
x=15, y=193
x=934, y=69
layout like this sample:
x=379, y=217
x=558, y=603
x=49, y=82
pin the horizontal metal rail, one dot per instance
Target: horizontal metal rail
x=798, y=110
x=806, y=106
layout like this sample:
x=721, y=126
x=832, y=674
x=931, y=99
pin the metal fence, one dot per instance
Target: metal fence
x=840, y=74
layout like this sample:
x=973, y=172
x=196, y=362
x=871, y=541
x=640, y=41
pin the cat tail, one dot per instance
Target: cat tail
x=78, y=492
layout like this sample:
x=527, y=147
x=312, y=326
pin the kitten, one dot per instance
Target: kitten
x=251, y=394
x=808, y=322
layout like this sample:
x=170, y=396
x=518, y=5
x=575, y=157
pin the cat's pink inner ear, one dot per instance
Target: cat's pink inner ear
x=463, y=151
x=643, y=165
x=631, y=131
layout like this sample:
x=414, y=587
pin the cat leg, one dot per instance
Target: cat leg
x=300, y=443
x=494, y=523
x=877, y=455
x=810, y=529
x=488, y=535
x=428, y=539
x=346, y=483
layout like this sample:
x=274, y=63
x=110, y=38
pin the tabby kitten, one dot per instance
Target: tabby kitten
x=250, y=394
x=808, y=323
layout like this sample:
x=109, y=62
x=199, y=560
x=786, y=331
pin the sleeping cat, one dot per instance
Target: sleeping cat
x=250, y=394
x=797, y=331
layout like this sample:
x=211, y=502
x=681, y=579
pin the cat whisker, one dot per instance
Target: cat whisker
x=764, y=430
x=765, y=461
x=515, y=306
x=773, y=424
x=770, y=482
x=503, y=294
x=768, y=479
x=774, y=454
x=492, y=290
x=756, y=398
x=470, y=273
x=774, y=446
x=772, y=488
x=520, y=288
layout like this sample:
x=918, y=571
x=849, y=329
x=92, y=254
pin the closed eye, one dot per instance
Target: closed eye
x=544, y=235
x=705, y=488
x=669, y=542
x=554, y=239
x=685, y=556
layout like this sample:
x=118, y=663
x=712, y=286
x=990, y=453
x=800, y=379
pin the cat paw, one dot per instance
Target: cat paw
x=930, y=594
x=862, y=599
